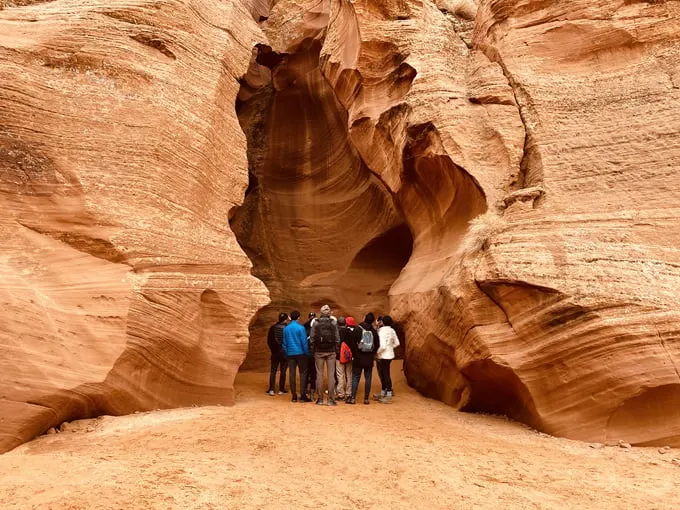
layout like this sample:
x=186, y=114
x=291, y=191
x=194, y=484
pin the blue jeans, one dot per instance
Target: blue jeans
x=356, y=376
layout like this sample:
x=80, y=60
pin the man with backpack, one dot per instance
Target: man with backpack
x=325, y=339
x=364, y=345
x=278, y=357
x=343, y=365
x=297, y=349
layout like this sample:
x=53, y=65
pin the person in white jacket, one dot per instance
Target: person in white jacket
x=388, y=342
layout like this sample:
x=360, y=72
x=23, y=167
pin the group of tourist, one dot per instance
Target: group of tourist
x=340, y=347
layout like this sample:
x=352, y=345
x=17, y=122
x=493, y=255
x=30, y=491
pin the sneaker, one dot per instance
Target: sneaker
x=378, y=397
x=283, y=392
x=351, y=401
x=305, y=398
x=294, y=399
x=332, y=403
x=385, y=400
x=270, y=393
x=366, y=401
x=319, y=402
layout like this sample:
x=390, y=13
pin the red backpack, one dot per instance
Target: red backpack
x=345, y=354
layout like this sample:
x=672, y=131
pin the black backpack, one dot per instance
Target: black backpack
x=326, y=339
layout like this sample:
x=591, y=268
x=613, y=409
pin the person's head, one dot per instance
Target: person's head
x=351, y=322
x=387, y=321
x=380, y=320
x=283, y=317
x=311, y=315
x=342, y=321
x=294, y=315
x=326, y=311
x=370, y=318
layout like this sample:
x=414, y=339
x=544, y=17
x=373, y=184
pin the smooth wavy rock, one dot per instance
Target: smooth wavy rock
x=121, y=157
x=530, y=148
x=561, y=309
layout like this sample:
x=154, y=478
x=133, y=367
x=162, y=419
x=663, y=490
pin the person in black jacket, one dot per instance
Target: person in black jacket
x=362, y=358
x=278, y=358
x=311, y=366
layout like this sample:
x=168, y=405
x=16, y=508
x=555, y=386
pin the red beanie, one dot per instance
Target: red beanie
x=350, y=321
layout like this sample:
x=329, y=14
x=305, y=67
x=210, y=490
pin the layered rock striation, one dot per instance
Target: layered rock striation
x=530, y=148
x=121, y=157
x=499, y=175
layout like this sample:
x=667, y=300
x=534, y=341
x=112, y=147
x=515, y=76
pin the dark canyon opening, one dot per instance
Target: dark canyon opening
x=317, y=224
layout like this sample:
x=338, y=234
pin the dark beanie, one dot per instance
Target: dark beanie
x=341, y=321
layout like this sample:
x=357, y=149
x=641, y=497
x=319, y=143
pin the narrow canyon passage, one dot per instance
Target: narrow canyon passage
x=318, y=225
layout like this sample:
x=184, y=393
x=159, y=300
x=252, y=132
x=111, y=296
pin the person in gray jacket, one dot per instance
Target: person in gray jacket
x=325, y=340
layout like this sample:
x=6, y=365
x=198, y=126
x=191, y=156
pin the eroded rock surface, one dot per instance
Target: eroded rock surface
x=530, y=147
x=121, y=157
x=564, y=314
x=500, y=175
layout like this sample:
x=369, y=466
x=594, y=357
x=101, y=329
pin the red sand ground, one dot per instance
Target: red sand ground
x=266, y=452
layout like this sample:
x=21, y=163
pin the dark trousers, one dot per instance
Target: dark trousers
x=384, y=374
x=311, y=374
x=356, y=376
x=301, y=363
x=283, y=366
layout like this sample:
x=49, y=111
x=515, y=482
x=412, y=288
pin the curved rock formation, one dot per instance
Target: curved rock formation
x=537, y=188
x=123, y=287
x=500, y=175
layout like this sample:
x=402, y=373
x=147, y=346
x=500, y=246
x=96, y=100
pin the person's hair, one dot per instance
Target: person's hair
x=369, y=318
x=342, y=321
x=387, y=320
x=380, y=318
x=283, y=317
x=312, y=314
x=295, y=315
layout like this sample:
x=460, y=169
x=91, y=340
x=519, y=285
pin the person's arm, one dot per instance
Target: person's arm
x=270, y=339
x=396, y=339
x=285, y=344
x=376, y=340
x=303, y=341
x=312, y=336
x=382, y=344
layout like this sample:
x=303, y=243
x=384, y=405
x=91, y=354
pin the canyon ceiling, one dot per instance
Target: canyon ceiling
x=501, y=176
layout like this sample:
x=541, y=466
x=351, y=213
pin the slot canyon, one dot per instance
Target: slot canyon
x=501, y=176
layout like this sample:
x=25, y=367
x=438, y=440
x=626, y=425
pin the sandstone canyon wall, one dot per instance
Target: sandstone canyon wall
x=499, y=175
x=530, y=148
x=121, y=158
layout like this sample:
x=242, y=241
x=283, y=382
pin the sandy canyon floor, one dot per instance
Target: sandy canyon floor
x=266, y=452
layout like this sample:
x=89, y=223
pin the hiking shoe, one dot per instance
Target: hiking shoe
x=366, y=401
x=270, y=393
x=332, y=403
x=319, y=402
x=283, y=392
x=294, y=399
x=351, y=401
x=305, y=398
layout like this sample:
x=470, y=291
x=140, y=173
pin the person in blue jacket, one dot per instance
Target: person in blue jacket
x=296, y=348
